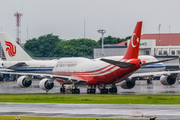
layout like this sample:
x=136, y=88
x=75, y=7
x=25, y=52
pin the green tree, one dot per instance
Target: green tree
x=112, y=40
x=75, y=48
x=51, y=46
x=42, y=46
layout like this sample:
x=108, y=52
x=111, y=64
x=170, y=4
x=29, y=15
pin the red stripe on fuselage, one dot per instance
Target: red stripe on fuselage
x=112, y=77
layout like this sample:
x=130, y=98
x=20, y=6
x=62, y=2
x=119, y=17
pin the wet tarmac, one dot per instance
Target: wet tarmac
x=141, y=88
x=91, y=110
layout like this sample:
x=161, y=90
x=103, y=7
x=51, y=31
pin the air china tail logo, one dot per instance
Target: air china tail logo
x=11, y=49
x=134, y=40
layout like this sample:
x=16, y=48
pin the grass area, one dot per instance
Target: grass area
x=90, y=99
x=58, y=118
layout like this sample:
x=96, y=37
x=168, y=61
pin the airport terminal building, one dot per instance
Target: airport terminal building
x=158, y=45
x=151, y=44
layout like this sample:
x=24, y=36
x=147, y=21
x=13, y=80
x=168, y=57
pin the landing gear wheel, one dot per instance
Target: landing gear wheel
x=104, y=91
x=76, y=91
x=149, y=81
x=62, y=89
x=91, y=90
x=73, y=91
x=113, y=89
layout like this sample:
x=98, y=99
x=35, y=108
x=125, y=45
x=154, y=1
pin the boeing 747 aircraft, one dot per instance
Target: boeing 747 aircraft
x=97, y=72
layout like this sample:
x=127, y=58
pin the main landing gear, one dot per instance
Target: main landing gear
x=91, y=90
x=62, y=89
x=75, y=89
x=113, y=89
x=149, y=81
x=105, y=90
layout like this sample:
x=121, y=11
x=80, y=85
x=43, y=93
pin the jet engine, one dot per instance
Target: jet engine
x=168, y=79
x=24, y=81
x=127, y=84
x=46, y=84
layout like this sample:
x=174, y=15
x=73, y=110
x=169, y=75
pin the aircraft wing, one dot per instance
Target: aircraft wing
x=144, y=64
x=20, y=64
x=153, y=74
x=51, y=76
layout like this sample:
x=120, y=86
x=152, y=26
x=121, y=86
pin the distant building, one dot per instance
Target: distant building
x=166, y=44
x=159, y=44
x=109, y=51
x=162, y=46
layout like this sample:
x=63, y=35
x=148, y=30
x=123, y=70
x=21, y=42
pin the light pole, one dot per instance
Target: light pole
x=102, y=32
x=159, y=28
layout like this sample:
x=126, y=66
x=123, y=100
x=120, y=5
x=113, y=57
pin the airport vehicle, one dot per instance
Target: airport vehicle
x=96, y=72
x=17, y=59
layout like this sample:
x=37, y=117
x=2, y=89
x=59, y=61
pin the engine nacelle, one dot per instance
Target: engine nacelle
x=24, y=81
x=127, y=84
x=46, y=84
x=168, y=80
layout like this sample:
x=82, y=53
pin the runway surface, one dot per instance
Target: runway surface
x=141, y=87
x=91, y=110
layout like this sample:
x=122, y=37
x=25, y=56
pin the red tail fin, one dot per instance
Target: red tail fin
x=133, y=47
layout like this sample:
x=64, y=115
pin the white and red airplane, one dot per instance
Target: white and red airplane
x=96, y=72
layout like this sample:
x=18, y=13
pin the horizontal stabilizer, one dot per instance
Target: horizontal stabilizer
x=158, y=61
x=118, y=63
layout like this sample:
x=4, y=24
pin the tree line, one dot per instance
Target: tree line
x=52, y=46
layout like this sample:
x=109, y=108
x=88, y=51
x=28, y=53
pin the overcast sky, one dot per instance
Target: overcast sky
x=65, y=18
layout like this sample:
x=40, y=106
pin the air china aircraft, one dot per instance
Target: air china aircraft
x=17, y=59
x=97, y=72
